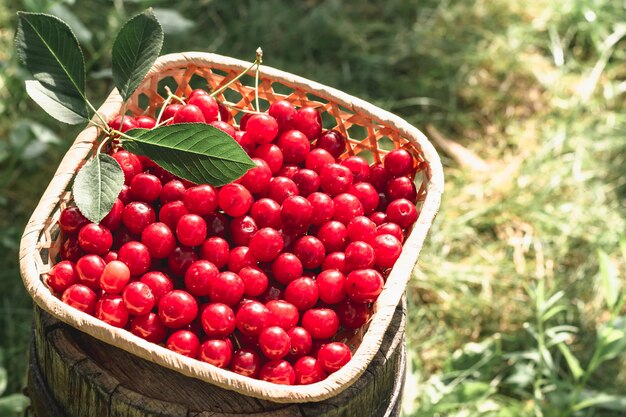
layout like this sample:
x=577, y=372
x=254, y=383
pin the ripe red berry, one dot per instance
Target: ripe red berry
x=274, y=342
x=367, y=195
x=281, y=188
x=296, y=212
x=95, y=239
x=254, y=280
x=138, y=298
x=283, y=111
x=390, y=229
x=180, y=259
x=113, y=220
x=137, y=216
x=266, y=213
x=257, y=179
x=302, y=293
x=224, y=127
x=234, y=199
x=402, y=212
x=177, y=309
x=288, y=171
x=262, y=128
x=388, y=250
x=378, y=217
x=307, y=181
x=352, y=314
x=201, y=199
x=333, y=235
x=359, y=167
x=246, y=362
x=159, y=240
x=279, y=372
x=183, y=342
x=245, y=142
x=331, y=285
x=308, y=371
x=347, y=207
x=321, y=323
x=145, y=187
x=136, y=256
x=362, y=228
x=333, y=356
x=239, y=258
x=294, y=145
x=308, y=121
x=71, y=220
x=310, y=250
x=114, y=278
x=359, y=255
x=398, y=162
x=145, y=122
x=207, y=105
x=216, y=352
x=89, y=269
x=266, y=244
x=159, y=284
x=335, y=260
x=171, y=212
x=170, y=111
x=111, y=310
x=70, y=250
x=218, y=320
x=199, y=276
x=333, y=142
x=286, y=267
x=401, y=187
x=335, y=179
x=191, y=230
x=80, y=297
x=272, y=155
x=61, y=276
x=227, y=287
x=217, y=225
x=215, y=250
x=189, y=114
x=323, y=208
x=131, y=165
x=148, y=327
x=123, y=123
x=317, y=159
x=301, y=342
x=242, y=229
x=252, y=317
x=364, y=285
x=379, y=177
x=283, y=314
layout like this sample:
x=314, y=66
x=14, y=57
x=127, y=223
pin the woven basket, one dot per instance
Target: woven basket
x=372, y=132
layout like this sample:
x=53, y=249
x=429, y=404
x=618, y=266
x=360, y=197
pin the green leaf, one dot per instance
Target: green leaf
x=50, y=51
x=572, y=362
x=609, y=280
x=97, y=185
x=194, y=151
x=13, y=404
x=136, y=47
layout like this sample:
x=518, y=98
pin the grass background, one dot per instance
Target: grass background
x=515, y=307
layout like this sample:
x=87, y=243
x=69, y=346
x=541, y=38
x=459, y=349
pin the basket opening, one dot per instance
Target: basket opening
x=168, y=82
x=197, y=82
x=357, y=133
x=143, y=101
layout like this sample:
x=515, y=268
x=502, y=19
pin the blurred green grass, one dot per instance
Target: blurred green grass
x=536, y=89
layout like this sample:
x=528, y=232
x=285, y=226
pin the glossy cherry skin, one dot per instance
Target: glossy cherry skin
x=308, y=371
x=136, y=256
x=171, y=212
x=137, y=216
x=353, y=315
x=234, y=199
x=89, y=269
x=239, y=258
x=252, y=317
x=336, y=179
x=347, y=207
x=302, y=293
x=148, y=327
x=281, y=188
x=242, y=229
x=284, y=314
x=217, y=352
x=246, y=362
x=323, y=208
x=218, y=320
x=321, y=323
x=244, y=120
x=310, y=250
x=131, y=165
x=215, y=250
x=113, y=220
x=362, y=228
x=379, y=177
x=294, y=145
x=335, y=260
x=266, y=213
x=123, y=123
x=191, y=230
x=180, y=259
x=364, y=285
x=367, y=195
x=402, y=212
x=262, y=128
x=177, y=309
x=359, y=167
x=331, y=285
x=398, y=162
x=189, y=114
x=296, y=212
x=201, y=199
x=307, y=181
x=184, y=342
x=225, y=114
x=257, y=179
x=333, y=356
x=301, y=341
x=272, y=155
x=227, y=287
x=159, y=284
x=401, y=187
x=279, y=372
x=359, y=255
x=145, y=187
x=170, y=111
x=159, y=240
x=388, y=250
x=287, y=267
x=378, y=217
x=334, y=236
x=283, y=111
x=95, y=239
x=138, y=298
x=61, y=276
x=80, y=297
x=390, y=229
x=308, y=121
x=317, y=159
x=266, y=244
x=114, y=277
x=288, y=171
x=172, y=191
x=71, y=220
x=245, y=142
x=333, y=142
x=208, y=106
x=111, y=310
x=217, y=225
x=254, y=280
x=145, y=122
x=199, y=276
x=274, y=342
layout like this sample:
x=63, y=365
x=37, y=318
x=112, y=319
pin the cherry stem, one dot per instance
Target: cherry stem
x=174, y=96
x=241, y=74
x=165, y=103
x=258, y=60
x=234, y=106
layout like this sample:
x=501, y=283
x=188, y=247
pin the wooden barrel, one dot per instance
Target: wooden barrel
x=72, y=374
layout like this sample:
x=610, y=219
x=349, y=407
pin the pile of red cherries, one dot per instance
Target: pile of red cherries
x=267, y=276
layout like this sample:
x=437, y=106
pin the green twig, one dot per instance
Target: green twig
x=241, y=74
x=258, y=60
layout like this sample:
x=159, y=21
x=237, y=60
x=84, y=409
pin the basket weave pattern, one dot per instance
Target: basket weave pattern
x=371, y=133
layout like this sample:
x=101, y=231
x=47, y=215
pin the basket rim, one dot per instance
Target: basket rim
x=386, y=303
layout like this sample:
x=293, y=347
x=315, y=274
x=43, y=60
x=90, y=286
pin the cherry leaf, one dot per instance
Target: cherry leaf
x=97, y=185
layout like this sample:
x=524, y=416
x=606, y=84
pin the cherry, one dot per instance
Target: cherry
x=331, y=285
x=217, y=225
x=111, y=310
x=170, y=111
x=191, y=230
x=244, y=120
x=180, y=259
x=335, y=179
x=272, y=155
x=283, y=314
x=89, y=269
x=301, y=341
x=254, y=280
x=388, y=250
x=262, y=128
x=207, y=105
x=274, y=342
x=218, y=320
x=216, y=352
x=252, y=318
x=148, y=327
x=308, y=121
x=196, y=92
x=317, y=159
x=189, y=114
x=113, y=220
x=225, y=114
x=246, y=362
x=279, y=372
x=281, y=188
x=183, y=342
x=362, y=228
x=347, y=207
x=138, y=298
x=323, y=208
x=296, y=212
x=224, y=127
x=310, y=250
x=302, y=293
x=333, y=235
x=294, y=145
x=177, y=309
x=353, y=315
x=71, y=220
x=70, y=250
x=266, y=244
x=379, y=177
x=308, y=371
x=201, y=199
x=359, y=255
x=124, y=194
x=227, y=287
x=145, y=187
x=95, y=239
x=239, y=258
x=131, y=165
x=242, y=229
x=391, y=229
x=257, y=179
x=286, y=267
x=159, y=284
x=359, y=167
x=364, y=285
x=136, y=256
x=367, y=195
x=159, y=240
x=335, y=260
x=333, y=356
x=321, y=323
x=378, y=217
x=145, y=122
x=402, y=212
x=123, y=123
x=398, y=162
x=80, y=297
x=61, y=276
x=266, y=213
x=283, y=111
x=137, y=216
x=244, y=140
x=307, y=181
x=234, y=199
x=162, y=175
x=401, y=187
x=171, y=212
x=288, y=171
x=215, y=250
x=333, y=142
x=199, y=276
x=114, y=277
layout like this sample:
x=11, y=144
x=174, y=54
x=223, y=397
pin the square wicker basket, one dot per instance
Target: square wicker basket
x=371, y=132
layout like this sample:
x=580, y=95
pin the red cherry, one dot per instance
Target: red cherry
x=335, y=260
x=245, y=142
x=364, y=285
x=244, y=120
x=308, y=371
x=308, y=121
x=246, y=362
x=331, y=285
x=388, y=250
x=302, y=293
x=379, y=177
x=145, y=187
x=159, y=284
x=242, y=229
x=401, y=187
x=333, y=142
x=216, y=352
x=398, y=162
x=227, y=287
x=215, y=250
x=70, y=250
x=201, y=199
x=196, y=92
x=266, y=244
x=310, y=250
x=123, y=124
x=159, y=240
x=262, y=128
x=171, y=212
x=199, y=276
x=333, y=235
x=170, y=111
x=239, y=258
x=234, y=199
x=224, y=127
x=281, y=188
x=257, y=179
x=111, y=310
x=286, y=267
x=362, y=228
x=288, y=171
x=207, y=105
x=189, y=114
x=353, y=315
x=95, y=239
x=272, y=155
x=177, y=309
x=279, y=372
x=72, y=220
x=283, y=314
x=217, y=225
x=359, y=167
x=254, y=280
x=359, y=255
x=335, y=179
x=137, y=216
x=347, y=207
x=378, y=217
x=274, y=342
x=131, y=165
x=266, y=213
x=252, y=317
x=80, y=297
x=294, y=145
x=136, y=256
x=61, y=276
x=191, y=230
x=307, y=181
x=321, y=323
x=296, y=212
x=180, y=259
x=283, y=111
x=390, y=229
x=162, y=175
x=89, y=269
x=225, y=114
x=367, y=195
x=333, y=356
x=148, y=327
x=113, y=220
x=145, y=122
x=184, y=343
x=138, y=298
x=317, y=159
x=323, y=208
x=301, y=341
x=114, y=278
x=402, y=212
x=218, y=320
